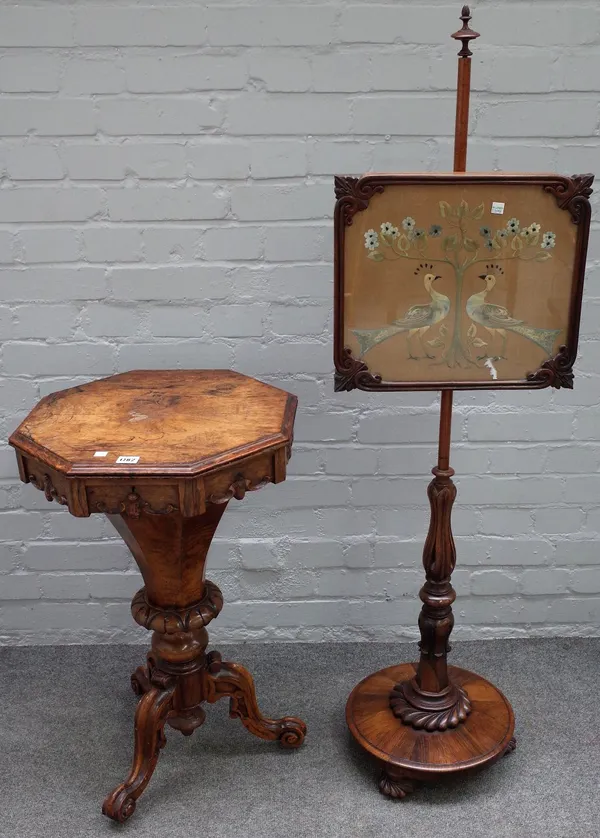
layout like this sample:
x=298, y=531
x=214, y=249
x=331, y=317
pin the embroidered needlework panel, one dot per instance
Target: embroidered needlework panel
x=458, y=281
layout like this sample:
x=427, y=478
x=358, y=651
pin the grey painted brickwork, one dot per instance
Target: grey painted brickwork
x=166, y=201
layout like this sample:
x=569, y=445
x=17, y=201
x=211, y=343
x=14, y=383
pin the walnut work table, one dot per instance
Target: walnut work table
x=161, y=453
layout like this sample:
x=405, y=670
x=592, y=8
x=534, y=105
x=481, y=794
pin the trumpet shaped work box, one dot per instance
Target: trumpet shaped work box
x=161, y=453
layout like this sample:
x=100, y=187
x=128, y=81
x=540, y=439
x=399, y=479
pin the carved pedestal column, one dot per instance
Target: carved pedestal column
x=430, y=700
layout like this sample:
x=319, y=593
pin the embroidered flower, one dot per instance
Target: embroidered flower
x=489, y=244
x=386, y=228
x=394, y=232
x=526, y=233
x=485, y=232
x=419, y=233
x=435, y=230
x=549, y=240
x=501, y=234
x=409, y=223
x=371, y=240
x=513, y=225
x=535, y=228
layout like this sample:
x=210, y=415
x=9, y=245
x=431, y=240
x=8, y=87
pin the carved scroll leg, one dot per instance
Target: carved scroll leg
x=395, y=785
x=235, y=681
x=150, y=717
x=510, y=747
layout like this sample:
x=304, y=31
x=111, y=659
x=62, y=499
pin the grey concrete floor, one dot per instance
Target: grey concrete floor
x=66, y=740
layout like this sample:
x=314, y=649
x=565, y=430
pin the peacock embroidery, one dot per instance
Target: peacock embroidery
x=497, y=320
x=415, y=323
x=463, y=241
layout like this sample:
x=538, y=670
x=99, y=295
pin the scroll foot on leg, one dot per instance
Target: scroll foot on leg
x=510, y=747
x=395, y=786
x=236, y=683
x=150, y=717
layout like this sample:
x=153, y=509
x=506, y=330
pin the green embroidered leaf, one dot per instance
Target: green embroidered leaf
x=436, y=342
x=469, y=245
x=495, y=244
x=463, y=209
x=517, y=243
x=445, y=209
x=541, y=256
x=443, y=330
x=376, y=256
x=403, y=243
x=450, y=243
x=479, y=342
x=472, y=330
x=534, y=239
x=477, y=213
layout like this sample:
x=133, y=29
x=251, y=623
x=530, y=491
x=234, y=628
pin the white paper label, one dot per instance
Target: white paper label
x=101, y=454
x=131, y=460
x=497, y=208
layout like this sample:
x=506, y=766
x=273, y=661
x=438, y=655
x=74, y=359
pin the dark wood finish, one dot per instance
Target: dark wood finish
x=204, y=438
x=425, y=721
x=431, y=701
x=466, y=35
x=407, y=755
x=572, y=195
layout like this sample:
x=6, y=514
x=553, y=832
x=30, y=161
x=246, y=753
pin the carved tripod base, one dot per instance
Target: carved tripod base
x=178, y=679
x=408, y=755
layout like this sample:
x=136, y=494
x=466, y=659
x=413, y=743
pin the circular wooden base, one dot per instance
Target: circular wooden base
x=407, y=754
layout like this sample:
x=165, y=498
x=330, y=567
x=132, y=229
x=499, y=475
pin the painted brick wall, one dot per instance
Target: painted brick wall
x=166, y=201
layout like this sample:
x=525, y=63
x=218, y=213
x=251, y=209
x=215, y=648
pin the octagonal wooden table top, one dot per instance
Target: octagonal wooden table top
x=174, y=421
x=156, y=440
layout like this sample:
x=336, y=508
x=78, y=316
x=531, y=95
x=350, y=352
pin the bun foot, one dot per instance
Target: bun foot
x=394, y=785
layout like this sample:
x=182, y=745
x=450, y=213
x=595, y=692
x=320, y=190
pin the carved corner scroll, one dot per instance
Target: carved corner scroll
x=351, y=373
x=573, y=194
x=353, y=196
x=556, y=372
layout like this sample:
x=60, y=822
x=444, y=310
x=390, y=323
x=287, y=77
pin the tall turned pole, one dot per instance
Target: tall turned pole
x=430, y=701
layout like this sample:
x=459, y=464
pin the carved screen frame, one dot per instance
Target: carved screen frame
x=353, y=196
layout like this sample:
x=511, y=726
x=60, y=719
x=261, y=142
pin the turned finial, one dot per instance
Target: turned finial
x=465, y=34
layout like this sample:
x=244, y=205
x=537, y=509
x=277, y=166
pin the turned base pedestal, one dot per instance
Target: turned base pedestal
x=407, y=755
